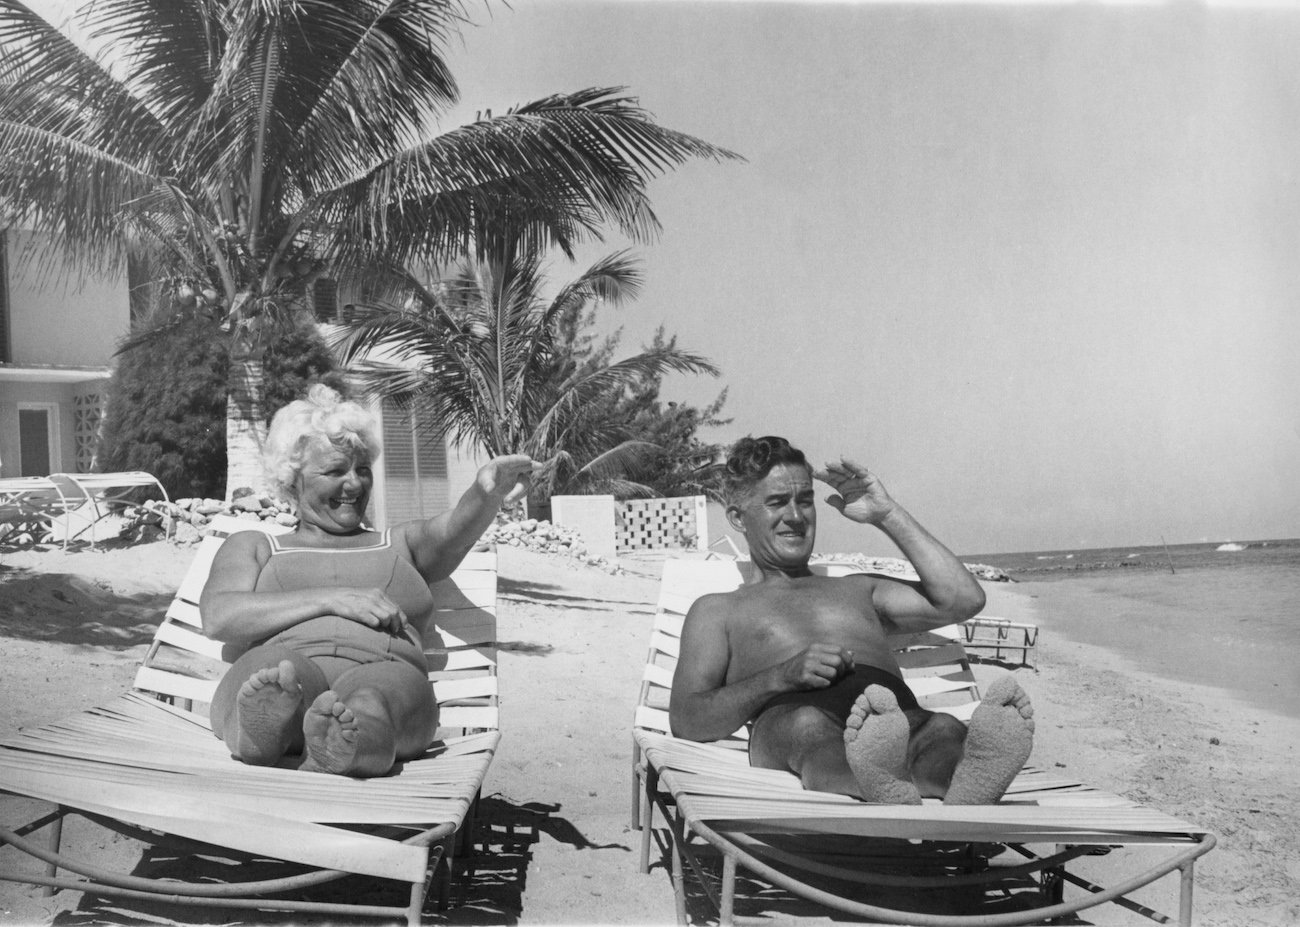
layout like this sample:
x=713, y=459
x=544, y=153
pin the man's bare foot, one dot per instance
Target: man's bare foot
x=331, y=731
x=998, y=743
x=266, y=714
x=875, y=743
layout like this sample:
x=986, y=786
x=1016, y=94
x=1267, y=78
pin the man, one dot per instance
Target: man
x=806, y=659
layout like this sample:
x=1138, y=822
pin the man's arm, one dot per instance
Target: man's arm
x=947, y=592
x=704, y=707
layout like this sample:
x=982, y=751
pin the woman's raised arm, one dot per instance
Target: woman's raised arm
x=439, y=544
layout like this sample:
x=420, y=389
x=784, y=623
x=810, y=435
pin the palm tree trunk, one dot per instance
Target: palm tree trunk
x=245, y=425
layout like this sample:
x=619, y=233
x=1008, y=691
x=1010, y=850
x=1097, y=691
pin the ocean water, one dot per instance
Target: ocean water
x=1228, y=618
x=1061, y=564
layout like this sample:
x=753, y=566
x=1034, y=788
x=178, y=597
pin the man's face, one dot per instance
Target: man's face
x=778, y=517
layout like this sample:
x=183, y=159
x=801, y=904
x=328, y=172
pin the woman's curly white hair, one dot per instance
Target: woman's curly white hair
x=323, y=414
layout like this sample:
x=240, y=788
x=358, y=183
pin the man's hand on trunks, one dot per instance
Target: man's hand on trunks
x=817, y=667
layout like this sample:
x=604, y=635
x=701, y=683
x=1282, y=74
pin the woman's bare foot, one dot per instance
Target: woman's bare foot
x=998, y=743
x=331, y=731
x=266, y=714
x=875, y=743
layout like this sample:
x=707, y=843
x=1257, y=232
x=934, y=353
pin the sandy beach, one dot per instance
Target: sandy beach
x=557, y=797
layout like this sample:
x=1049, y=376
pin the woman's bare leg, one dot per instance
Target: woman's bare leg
x=375, y=715
x=258, y=706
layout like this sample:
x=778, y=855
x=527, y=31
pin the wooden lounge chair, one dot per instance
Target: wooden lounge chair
x=149, y=765
x=825, y=848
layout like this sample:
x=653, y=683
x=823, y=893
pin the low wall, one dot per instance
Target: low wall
x=610, y=527
x=590, y=516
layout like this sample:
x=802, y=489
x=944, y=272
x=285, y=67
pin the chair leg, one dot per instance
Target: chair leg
x=638, y=784
x=727, y=909
x=56, y=840
x=444, y=872
x=1052, y=880
x=418, y=892
x=1186, y=877
x=679, y=876
x=650, y=784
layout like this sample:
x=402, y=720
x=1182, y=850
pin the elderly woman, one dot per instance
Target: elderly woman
x=329, y=618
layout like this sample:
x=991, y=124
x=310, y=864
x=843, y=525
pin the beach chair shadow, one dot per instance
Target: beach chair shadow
x=148, y=765
x=740, y=841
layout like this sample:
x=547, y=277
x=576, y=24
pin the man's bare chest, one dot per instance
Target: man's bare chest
x=773, y=627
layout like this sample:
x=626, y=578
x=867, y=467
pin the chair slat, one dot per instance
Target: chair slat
x=179, y=635
x=448, y=690
x=174, y=685
x=470, y=717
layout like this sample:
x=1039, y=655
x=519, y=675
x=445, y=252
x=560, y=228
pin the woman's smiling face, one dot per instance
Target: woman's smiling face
x=334, y=486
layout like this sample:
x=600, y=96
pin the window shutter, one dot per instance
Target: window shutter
x=415, y=469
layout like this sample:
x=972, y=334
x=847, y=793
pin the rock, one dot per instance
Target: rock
x=187, y=533
x=284, y=518
x=248, y=503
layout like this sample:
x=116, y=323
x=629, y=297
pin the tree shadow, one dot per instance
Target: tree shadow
x=547, y=594
x=67, y=608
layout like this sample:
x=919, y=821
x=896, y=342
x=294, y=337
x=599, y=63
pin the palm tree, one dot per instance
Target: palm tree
x=484, y=356
x=257, y=145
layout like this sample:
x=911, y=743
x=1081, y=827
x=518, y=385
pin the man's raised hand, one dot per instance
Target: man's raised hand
x=859, y=495
x=818, y=666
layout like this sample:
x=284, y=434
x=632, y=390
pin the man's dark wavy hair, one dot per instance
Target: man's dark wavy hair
x=752, y=458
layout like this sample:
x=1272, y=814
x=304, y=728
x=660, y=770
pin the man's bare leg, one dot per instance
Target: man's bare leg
x=934, y=750
x=807, y=741
x=267, y=710
x=876, y=736
x=998, y=743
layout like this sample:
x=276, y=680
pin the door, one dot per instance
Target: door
x=37, y=430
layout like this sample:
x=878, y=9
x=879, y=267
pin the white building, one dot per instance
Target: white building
x=56, y=353
x=56, y=346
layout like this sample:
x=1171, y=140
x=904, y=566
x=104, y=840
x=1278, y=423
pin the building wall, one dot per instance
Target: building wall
x=74, y=323
x=78, y=415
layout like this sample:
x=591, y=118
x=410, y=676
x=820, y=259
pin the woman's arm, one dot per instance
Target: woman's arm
x=235, y=614
x=439, y=544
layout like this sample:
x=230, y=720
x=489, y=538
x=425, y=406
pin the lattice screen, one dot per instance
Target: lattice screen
x=657, y=524
x=87, y=412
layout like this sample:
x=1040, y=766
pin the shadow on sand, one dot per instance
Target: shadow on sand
x=547, y=594
x=491, y=891
x=67, y=608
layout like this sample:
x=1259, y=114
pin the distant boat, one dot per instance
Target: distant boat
x=1230, y=546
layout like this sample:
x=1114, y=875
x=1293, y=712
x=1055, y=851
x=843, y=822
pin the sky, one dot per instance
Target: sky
x=1035, y=264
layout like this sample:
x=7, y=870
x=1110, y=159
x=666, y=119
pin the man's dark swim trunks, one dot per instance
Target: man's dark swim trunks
x=835, y=700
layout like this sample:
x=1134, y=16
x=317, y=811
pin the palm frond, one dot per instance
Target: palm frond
x=602, y=382
x=586, y=157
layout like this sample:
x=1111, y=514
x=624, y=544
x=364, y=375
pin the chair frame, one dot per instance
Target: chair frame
x=1001, y=634
x=179, y=673
x=691, y=784
x=34, y=505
